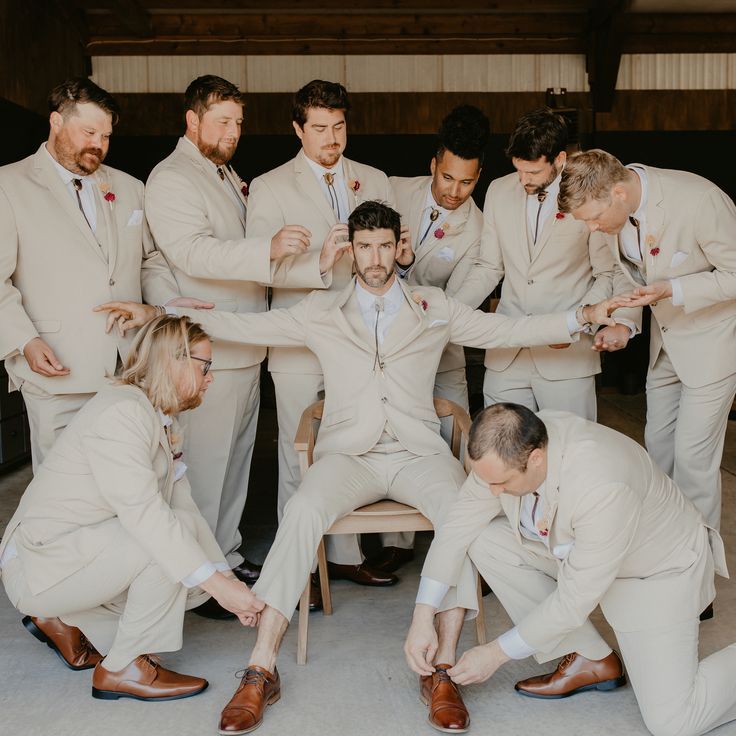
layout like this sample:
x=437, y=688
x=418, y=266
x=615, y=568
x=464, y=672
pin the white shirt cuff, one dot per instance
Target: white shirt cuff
x=203, y=572
x=573, y=326
x=678, y=298
x=431, y=592
x=514, y=646
x=628, y=323
x=172, y=311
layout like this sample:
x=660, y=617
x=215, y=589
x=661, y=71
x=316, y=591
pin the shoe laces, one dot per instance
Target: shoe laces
x=566, y=661
x=250, y=676
x=442, y=675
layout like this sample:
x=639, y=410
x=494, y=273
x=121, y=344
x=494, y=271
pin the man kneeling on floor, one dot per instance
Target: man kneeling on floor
x=560, y=515
x=107, y=549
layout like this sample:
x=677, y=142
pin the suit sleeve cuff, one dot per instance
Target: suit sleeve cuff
x=431, y=592
x=514, y=646
x=573, y=325
x=678, y=298
x=203, y=572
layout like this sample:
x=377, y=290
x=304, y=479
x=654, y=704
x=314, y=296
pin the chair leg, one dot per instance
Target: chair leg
x=480, y=621
x=324, y=580
x=303, y=635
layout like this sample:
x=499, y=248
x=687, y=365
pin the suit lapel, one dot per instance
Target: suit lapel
x=655, y=211
x=307, y=182
x=347, y=316
x=543, y=237
x=106, y=216
x=236, y=185
x=46, y=175
x=520, y=221
x=408, y=325
x=455, y=225
x=416, y=209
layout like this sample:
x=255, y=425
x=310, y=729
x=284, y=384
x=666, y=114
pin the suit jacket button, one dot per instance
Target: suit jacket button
x=384, y=399
x=112, y=282
x=530, y=282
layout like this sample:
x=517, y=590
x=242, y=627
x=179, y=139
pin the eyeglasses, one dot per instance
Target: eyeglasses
x=207, y=364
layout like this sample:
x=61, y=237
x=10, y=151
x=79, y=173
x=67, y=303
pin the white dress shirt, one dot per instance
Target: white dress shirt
x=549, y=207
x=379, y=321
x=338, y=183
x=427, y=226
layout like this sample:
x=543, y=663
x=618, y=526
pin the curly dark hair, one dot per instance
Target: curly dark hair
x=538, y=133
x=464, y=132
x=318, y=93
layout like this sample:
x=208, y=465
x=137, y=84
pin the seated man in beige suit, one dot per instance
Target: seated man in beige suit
x=71, y=234
x=379, y=342
x=196, y=209
x=561, y=515
x=317, y=189
x=445, y=224
x=548, y=261
x=676, y=243
x=107, y=548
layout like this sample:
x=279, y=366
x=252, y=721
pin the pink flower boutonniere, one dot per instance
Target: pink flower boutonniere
x=423, y=303
x=560, y=216
x=107, y=195
x=354, y=184
x=439, y=233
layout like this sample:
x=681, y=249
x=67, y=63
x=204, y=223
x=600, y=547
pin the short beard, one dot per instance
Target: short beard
x=214, y=153
x=329, y=158
x=71, y=159
x=543, y=187
x=375, y=282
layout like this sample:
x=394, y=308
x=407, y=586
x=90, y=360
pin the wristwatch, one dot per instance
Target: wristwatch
x=579, y=316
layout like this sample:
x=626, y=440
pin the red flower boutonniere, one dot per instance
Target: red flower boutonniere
x=560, y=216
x=649, y=242
x=439, y=233
x=423, y=303
x=354, y=184
x=654, y=251
x=107, y=195
x=244, y=189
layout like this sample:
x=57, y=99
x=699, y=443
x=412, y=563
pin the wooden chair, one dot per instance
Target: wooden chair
x=382, y=516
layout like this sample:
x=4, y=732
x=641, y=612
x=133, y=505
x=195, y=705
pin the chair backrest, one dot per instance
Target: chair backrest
x=306, y=434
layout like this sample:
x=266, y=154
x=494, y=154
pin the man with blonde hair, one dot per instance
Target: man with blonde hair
x=107, y=549
x=676, y=242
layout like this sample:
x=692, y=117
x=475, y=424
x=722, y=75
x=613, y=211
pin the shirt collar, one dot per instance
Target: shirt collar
x=641, y=211
x=392, y=299
x=319, y=171
x=431, y=203
x=65, y=174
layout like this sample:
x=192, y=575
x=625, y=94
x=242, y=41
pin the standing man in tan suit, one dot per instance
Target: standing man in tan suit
x=196, y=209
x=317, y=189
x=676, y=243
x=71, y=234
x=446, y=225
x=548, y=262
x=561, y=515
x=379, y=342
x=107, y=548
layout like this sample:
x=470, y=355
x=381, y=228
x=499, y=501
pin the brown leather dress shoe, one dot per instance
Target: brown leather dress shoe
x=447, y=712
x=247, y=572
x=575, y=674
x=69, y=643
x=362, y=574
x=144, y=679
x=315, y=593
x=390, y=559
x=212, y=609
x=244, y=713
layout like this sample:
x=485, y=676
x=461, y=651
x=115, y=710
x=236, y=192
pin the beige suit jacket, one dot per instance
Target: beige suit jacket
x=200, y=229
x=53, y=271
x=625, y=533
x=693, y=224
x=361, y=396
x=449, y=262
x=113, y=461
x=291, y=195
x=568, y=266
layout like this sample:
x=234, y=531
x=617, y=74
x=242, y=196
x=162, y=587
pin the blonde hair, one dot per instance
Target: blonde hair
x=151, y=362
x=589, y=175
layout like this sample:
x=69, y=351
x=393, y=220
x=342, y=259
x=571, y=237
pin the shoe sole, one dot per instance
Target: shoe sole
x=36, y=632
x=113, y=695
x=440, y=728
x=604, y=686
x=273, y=699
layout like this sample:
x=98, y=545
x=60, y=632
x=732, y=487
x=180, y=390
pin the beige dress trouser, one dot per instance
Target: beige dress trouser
x=677, y=695
x=336, y=485
x=521, y=383
x=218, y=447
x=685, y=432
x=122, y=601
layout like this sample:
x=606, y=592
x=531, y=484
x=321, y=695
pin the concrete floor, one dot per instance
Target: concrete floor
x=356, y=681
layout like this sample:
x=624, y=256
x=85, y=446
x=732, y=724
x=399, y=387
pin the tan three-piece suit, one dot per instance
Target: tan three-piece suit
x=54, y=270
x=291, y=195
x=620, y=534
x=104, y=534
x=197, y=220
x=566, y=267
x=379, y=434
x=689, y=234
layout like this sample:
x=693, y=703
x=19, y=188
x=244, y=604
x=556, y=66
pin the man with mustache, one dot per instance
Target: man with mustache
x=196, y=208
x=71, y=233
x=317, y=189
x=547, y=261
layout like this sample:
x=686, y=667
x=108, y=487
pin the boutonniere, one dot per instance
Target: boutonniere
x=107, y=195
x=560, y=216
x=243, y=186
x=423, y=303
x=649, y=242
x=439, y=233
x=354, y=184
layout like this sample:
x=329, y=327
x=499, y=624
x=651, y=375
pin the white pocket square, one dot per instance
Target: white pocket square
x=446, y=254
x=561, y=551
x=437, y=322
x=136, y=218
x=678, y=258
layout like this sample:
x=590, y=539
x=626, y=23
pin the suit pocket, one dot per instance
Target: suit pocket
x=47, y=325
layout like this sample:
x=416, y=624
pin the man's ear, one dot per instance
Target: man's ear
x=56, y=121
x=192, y=120
x=536, y=458
x=433, y=165
x=298, y=129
